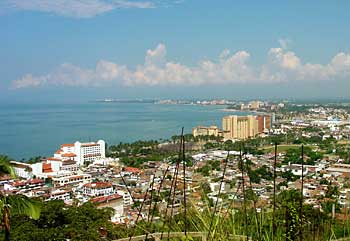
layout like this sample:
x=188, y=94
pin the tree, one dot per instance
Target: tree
x=61, y=222
x=254, y=176
x=332, y=191
x=289, y=176
x=205, y=170
x=14, y=204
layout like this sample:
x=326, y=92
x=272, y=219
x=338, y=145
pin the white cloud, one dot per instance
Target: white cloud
x=71, y=75
x=133, y=4
x=284, y=59
x=230, y=68
x=156, y=56
x=29, y=81
x=284, y=42
x=75, y=8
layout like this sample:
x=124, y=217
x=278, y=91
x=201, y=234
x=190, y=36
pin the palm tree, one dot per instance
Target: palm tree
x=16, y=204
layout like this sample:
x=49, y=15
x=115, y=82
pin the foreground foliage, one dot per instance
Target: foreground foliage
x=14, y=204
x=61, y=222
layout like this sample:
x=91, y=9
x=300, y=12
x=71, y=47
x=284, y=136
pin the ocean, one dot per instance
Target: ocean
x=29, y=130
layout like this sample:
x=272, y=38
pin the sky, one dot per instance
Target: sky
x=80, y=50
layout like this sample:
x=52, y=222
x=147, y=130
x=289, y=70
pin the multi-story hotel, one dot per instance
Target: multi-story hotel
x=66, y=159
x=205, y=131
x=264, y=123
x=81, y=152
x=239, y=127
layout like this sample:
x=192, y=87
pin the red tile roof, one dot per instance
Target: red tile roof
x=132, y=169
x=35, y=181
x=68, y=162
x=67, y=145
x=69, y=154
x=19, y=183
x=98, y=185
x=90, y=144
x=54, y=159
x=47, y=167
x=105, y=199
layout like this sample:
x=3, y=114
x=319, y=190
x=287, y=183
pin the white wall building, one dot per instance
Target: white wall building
x=71, y=180
x=127, y=199
x=89, y=152
x=114, y=201
x=81, y=152
x=58, y=194
x=98, y=189
x=21, y=169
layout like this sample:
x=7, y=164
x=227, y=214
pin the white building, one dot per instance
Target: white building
x=114, y=201
x=58, y=194
x=71, y=180
x=89, y=152
x=21, y=169
x=98, y=189
x=127, y=199
x=80, y=152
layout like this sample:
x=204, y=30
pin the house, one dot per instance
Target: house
x=114, y=201
x=98, y=189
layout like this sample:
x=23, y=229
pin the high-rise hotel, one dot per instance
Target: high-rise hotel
x=264, y=123
x=239, y=127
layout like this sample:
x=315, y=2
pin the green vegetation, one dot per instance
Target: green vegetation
x=293, y=156
x=14, y=204
x=283, y=148
x=210, y=166
x=260, y=173
x=61, y=222
x=136, y=153
x=86, y=222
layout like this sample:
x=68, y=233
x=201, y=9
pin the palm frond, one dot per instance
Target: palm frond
x=21, y=204
x=5, y=166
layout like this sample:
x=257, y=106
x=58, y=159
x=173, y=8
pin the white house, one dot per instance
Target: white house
x=114, y=201
x=98, y=189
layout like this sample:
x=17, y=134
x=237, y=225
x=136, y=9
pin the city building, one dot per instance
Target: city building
x=255, y=104
x=205, y=131
x=239, y=127
x=22, y=169
x=58, y=194
x=114, y=201
x=71, y=180
x=98, y=189
x=264, y=123
x=81, y=153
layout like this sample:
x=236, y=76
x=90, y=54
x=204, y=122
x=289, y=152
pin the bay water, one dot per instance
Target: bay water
x=28, y=130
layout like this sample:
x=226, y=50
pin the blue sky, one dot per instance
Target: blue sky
x=80, y=50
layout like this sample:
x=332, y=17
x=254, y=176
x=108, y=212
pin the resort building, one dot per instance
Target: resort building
x=205, y=131
x=239, y=127
x=22, y=169
x=81, y=153
x=264, y=123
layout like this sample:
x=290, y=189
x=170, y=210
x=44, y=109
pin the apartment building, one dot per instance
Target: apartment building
x=81, y=153
x=264, y=123
x=239, y=127
x=98, y=189
x=205, y=131
x=58, y=194
x=71, y=180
